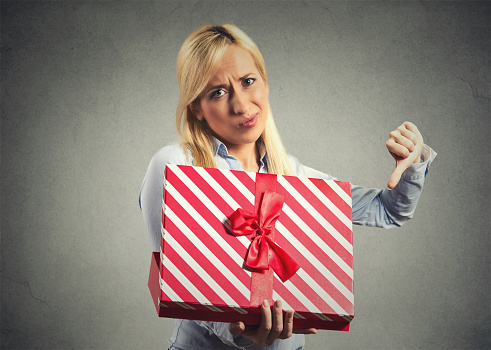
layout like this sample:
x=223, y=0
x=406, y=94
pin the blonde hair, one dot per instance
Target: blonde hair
x=197, y=59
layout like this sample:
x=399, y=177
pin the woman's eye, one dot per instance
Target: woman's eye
x=249, y=81
x=217, y=93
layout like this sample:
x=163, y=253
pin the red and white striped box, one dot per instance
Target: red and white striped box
x=201, y=272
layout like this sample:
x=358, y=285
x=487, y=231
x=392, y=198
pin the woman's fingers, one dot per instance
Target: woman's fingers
x=405, y=145
x=274, y=325
x=305, y=331
x=397, y=149
x=288, y=325
x=396, y=174
x=403, y=138
x=266, y=324
x=277, y=327
x=236, y=328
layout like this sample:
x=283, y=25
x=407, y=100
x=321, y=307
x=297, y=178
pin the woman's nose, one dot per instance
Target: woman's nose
x=239, y=102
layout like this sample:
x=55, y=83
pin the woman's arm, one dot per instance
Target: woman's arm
x=390, y=208
x=152, y=189
x=396, y=204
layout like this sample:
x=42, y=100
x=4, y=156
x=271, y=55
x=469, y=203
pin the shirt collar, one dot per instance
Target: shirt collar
x=220, y=149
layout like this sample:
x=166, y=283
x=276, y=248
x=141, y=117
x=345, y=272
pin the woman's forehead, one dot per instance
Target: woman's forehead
x=235, y=63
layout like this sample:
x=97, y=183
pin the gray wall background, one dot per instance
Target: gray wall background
x=88, y=96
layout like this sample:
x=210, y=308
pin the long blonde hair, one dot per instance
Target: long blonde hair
x=197, y=59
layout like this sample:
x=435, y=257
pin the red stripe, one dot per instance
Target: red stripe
x=205, y=212
x=314, y=225
x=246, y=180
x=346, y=186
x=176, y=285
x=319, y=277
x=212, y=193
x=197, y=280
x=230, y=188
x=327, y=189
x=313, y=248
x=242, y=201
x=305, y=288
x=333, y=317
x=307, y=241
x=321, y=207
x=203, y=236
x=286, y=295
x=214, y=271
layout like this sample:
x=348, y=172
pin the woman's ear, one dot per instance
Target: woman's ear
x=195, y=108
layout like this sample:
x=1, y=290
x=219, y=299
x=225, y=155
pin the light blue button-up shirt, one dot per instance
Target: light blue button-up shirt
x=371, y=207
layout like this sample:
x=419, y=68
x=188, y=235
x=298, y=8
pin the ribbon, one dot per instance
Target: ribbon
x=264, y=252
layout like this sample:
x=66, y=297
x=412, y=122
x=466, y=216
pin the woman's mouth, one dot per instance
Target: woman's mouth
x=249, y=122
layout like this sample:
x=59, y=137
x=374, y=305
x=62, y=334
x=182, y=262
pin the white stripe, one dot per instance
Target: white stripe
x=323, y=317
x=210, y=255
x=239, y=260
x=221, y=192
x=297, y=315
x=213, y=308
x=184, y=305
x=201, y=272
x=314, y=261
x=299, y=295
x=322, y=293
x=252, y=175
x=185, y=282
x=240, y=310
x=285, y=305
x=341, y=193
x=294, y=290
x=239, y=185
x=314, y=237
x=203, y=198
x=327, y=202
x=308, y=207
x=246, y=242
x=173, y=295
x=213, y=208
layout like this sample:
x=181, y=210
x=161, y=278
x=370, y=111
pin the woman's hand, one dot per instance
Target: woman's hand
x=273, y=326
x=405, y=145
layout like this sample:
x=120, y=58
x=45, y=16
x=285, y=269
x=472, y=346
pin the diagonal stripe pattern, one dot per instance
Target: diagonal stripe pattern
x=203, y=262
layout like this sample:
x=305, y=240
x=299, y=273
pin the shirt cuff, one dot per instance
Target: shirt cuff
x=420, y=170
x=220, y=329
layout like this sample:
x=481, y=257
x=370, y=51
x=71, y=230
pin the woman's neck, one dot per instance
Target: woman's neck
x=247, y=155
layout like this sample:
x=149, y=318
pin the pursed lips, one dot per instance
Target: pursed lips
x=249, y=121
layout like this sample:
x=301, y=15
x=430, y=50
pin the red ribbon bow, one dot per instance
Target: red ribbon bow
x=263, y=251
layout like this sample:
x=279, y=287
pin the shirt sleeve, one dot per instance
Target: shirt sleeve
x=152, y=189
x=385, y=208
x=220, y=329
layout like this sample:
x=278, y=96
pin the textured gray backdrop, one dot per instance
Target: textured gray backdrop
x=88, y=96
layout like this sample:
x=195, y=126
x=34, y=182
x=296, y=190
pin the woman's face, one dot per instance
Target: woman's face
x=235, y=101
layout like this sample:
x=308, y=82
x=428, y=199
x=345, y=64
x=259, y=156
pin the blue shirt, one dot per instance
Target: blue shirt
x=371, y=207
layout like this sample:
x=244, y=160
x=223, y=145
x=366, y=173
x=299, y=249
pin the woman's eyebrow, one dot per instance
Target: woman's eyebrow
x=220, y=86
x=246, y=76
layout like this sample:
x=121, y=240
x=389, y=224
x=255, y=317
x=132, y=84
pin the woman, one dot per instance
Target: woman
x=224, y=119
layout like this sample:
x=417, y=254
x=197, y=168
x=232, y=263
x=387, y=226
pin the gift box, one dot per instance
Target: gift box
x=231, y=239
